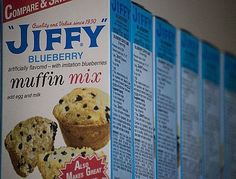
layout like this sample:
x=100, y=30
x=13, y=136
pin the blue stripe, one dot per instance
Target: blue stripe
x=189, y=51
x=165, y=41
x=210, y=63
x=230, y=72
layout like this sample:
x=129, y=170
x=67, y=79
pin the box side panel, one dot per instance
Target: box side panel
x=120, y=89
x=190, y=126
x=230, y=115
x=142, y=92
x=211, y=111
x=165, y=101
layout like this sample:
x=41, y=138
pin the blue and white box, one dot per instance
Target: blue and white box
x=229, y=95
x=188, y=89
x=165, y=99
x=51, y=48
x=211, y=116
x=142, y=92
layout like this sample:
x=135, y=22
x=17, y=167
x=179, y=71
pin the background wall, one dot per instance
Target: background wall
x=212, y=20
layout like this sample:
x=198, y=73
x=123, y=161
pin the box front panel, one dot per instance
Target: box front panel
x=56, y=65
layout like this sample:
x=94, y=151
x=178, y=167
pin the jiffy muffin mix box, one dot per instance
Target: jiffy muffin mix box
x=66, y=89
x=165, y=99
x=188, y=106
x=142, y=92
x=229, y=97
x=211, y=116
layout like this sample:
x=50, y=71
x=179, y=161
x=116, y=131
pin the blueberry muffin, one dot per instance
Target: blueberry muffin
x=50, y=163
x=83, y=117
x=28, y=139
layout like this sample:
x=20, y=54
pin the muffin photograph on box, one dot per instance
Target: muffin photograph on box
x=27, y=140
x=51, y=163
x=83, y=116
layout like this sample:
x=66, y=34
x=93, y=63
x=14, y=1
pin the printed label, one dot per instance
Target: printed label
x=14, y=9
x=189, y=119
x=143, y=112
x=190, y=133
x=121, y=147
x=85, y=167
x=142, y=92
x=121, y=107
x=211, y=126
x=166, y=126
x=165, y=99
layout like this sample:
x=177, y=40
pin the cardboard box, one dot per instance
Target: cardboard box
x=189, y=124
x=211, y=119
x=165, y=99
x=229, y=95
x=67, y=61
x=142, y=92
